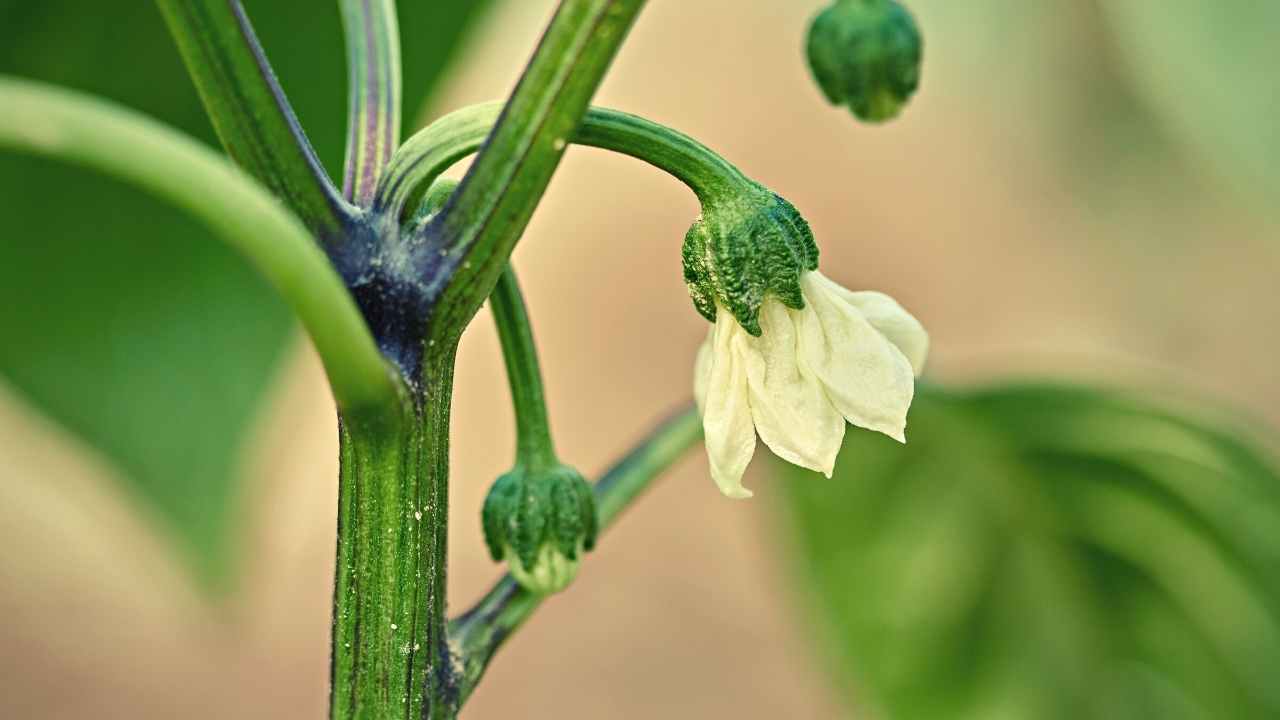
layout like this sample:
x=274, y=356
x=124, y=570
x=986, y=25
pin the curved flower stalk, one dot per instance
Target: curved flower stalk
x=540, y=517
x=843, y=356
x=67, y=125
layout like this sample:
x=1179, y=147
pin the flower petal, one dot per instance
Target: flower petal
x=726, y=408
x=891, y=319
x=702, y=370
x=868, y=379
x=791, y=411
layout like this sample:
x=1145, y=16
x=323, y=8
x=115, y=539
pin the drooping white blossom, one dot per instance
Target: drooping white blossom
x=846, y=356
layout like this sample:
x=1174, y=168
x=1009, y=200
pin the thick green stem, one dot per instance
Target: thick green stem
x=534, y=446
x=412, y=675
x=249, y=109
x=479, y=227
x=390, y=658
x=373, y=88
x=477, y=634
x=68, y=126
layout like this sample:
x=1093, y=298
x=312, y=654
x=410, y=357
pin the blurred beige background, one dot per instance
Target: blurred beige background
x=990, y=210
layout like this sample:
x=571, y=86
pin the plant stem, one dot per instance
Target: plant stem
x=373, y=79
x=377, y=676
x=390, y=658
x=478, y=633
x=479, y=227
x=432, y=150
x=249, y=109
x=700, y=168
x=534, y=446
x=62, y=124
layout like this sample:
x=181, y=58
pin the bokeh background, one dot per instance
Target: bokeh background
x=1082, y=191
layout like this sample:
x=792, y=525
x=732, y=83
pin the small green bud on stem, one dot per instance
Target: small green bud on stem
x=540, y=520
x=866, y=54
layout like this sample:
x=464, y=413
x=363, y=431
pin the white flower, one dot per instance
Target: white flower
x=846, y=356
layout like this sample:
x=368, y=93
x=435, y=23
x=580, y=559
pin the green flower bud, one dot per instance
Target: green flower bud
x=866, y=54
x=745, y=245
x=540, y=521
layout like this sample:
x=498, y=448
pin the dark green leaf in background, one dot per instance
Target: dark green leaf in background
x=1046, y=552
x=124, y=320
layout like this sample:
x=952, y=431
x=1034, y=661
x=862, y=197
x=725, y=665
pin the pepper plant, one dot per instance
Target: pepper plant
x=386, y=268
x=386, y=271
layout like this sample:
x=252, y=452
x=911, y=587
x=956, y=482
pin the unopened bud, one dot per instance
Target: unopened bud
x=866, y=54
x=540, y=521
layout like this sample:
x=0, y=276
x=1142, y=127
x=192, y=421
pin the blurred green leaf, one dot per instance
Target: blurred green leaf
x=1046, y=552
x=121, y=318
x=1209, y=68
x=1051, y=81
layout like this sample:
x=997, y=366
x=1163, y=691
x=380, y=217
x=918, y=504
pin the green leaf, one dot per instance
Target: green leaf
x=1046, y=552
x=1209, y=70
x=125, y=320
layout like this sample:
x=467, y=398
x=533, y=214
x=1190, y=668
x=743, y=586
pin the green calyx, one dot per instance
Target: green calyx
x=540, y=521
x=743, y=247
x=866, y=54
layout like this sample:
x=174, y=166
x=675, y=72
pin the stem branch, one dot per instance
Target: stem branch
x=534, y=446
x=65, y=125
x=477, y=634
x=432, y=150
x=373, y=80
x=479, y=227
x=249, y=109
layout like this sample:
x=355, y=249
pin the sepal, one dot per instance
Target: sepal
x=745, y=246
x=540, y=521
